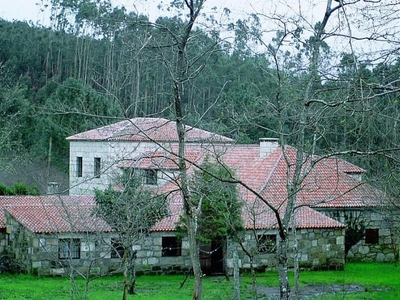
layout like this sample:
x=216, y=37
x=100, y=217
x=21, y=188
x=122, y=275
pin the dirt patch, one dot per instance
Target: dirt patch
x=311, y=291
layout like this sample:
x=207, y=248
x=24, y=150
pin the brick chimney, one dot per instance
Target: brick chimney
x=267, y=146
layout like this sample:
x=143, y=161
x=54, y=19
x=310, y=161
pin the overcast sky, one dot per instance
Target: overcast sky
x=310, y=10
x=19, y=10
x=28, y=10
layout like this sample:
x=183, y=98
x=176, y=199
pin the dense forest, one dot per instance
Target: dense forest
x=110, y=64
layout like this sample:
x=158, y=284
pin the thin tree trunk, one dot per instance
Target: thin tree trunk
x=236, y=275
x=296, y=261
x=125, y=274
x=189, y=210
x=132, y=272
x=284, y=289
x=195, y=256
x=252, y=271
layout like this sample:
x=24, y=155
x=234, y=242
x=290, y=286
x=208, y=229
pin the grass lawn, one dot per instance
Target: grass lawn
x=381, y=281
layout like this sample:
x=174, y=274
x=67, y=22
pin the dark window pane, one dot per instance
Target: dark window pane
x=97, y=167
x=117, y=249
x=372, y=236
x=150, y=177
x=69, y=248
x=79, y=166
x=171, y=246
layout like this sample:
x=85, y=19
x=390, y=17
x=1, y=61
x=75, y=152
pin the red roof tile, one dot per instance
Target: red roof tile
x=58, y=219
x=324, y=185
x=159, y=160
x=175, y=207
x=147, y=129
x=49, y=213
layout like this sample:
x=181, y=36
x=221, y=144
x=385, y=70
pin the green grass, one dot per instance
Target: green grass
x=382, y=281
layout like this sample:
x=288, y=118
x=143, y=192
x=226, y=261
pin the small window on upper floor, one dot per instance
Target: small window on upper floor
x=79, y=166
x=97, y=167
x=372, y=236
x=150, y=176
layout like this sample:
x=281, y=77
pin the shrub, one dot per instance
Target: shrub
x=5, y=190
x=9, y=265
x=19, y=189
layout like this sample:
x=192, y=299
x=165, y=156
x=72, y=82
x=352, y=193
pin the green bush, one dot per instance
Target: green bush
x=19, y=189
x=5, y=190
x=9, y=265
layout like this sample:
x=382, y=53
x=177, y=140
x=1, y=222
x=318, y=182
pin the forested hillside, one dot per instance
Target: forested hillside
x=110, y=64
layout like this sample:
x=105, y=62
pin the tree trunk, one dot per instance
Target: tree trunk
x=284, y=288
x=195, y=257
x=296, y=262
x=125, y=274
x=190, y=210
x=236, y=275
x=132, y=273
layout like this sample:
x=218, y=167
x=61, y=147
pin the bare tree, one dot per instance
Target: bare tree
x=301, y=51
x=131, y=212
x=182, y=70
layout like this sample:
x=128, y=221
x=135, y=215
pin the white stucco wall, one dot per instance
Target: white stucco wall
x=110, y=153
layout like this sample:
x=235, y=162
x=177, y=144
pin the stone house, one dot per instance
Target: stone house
x=332, y=190
x=54, y=234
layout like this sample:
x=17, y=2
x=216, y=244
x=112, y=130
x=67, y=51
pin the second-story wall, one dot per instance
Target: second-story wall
x=94, y=164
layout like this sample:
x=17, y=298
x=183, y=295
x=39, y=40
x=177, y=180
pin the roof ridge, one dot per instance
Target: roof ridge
x=271, y=172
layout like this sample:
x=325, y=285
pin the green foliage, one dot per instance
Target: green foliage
x=132, y=210
x=78, y=75
x=9, y=265
x=69, y=108
x=5, y=190
x=14, y=116
x=218, y=199
x=18, y=189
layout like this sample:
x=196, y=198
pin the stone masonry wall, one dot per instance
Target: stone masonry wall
x=150, y=260
x=385, y=248
x=39, y=252
x=317, y=249
x=383, y=251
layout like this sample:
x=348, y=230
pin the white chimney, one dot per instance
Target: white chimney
x=267, y=146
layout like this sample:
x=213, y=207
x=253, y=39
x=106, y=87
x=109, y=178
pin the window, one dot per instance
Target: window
x=150, y=177
x=97, y=166
x=117, y=249
x=266, y=243
x=171, y=246
x=79, y=166
x=69, y=248
x=372, y=236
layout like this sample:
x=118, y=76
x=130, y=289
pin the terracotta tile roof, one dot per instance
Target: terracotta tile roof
x=159, y=160
x=175, y=207
x=147, y=129
x=52, y=213
x=258, y=216
x=325, y=185
x=307, y=217
x=343, y=165
x=58, y=219
x=267, y=176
